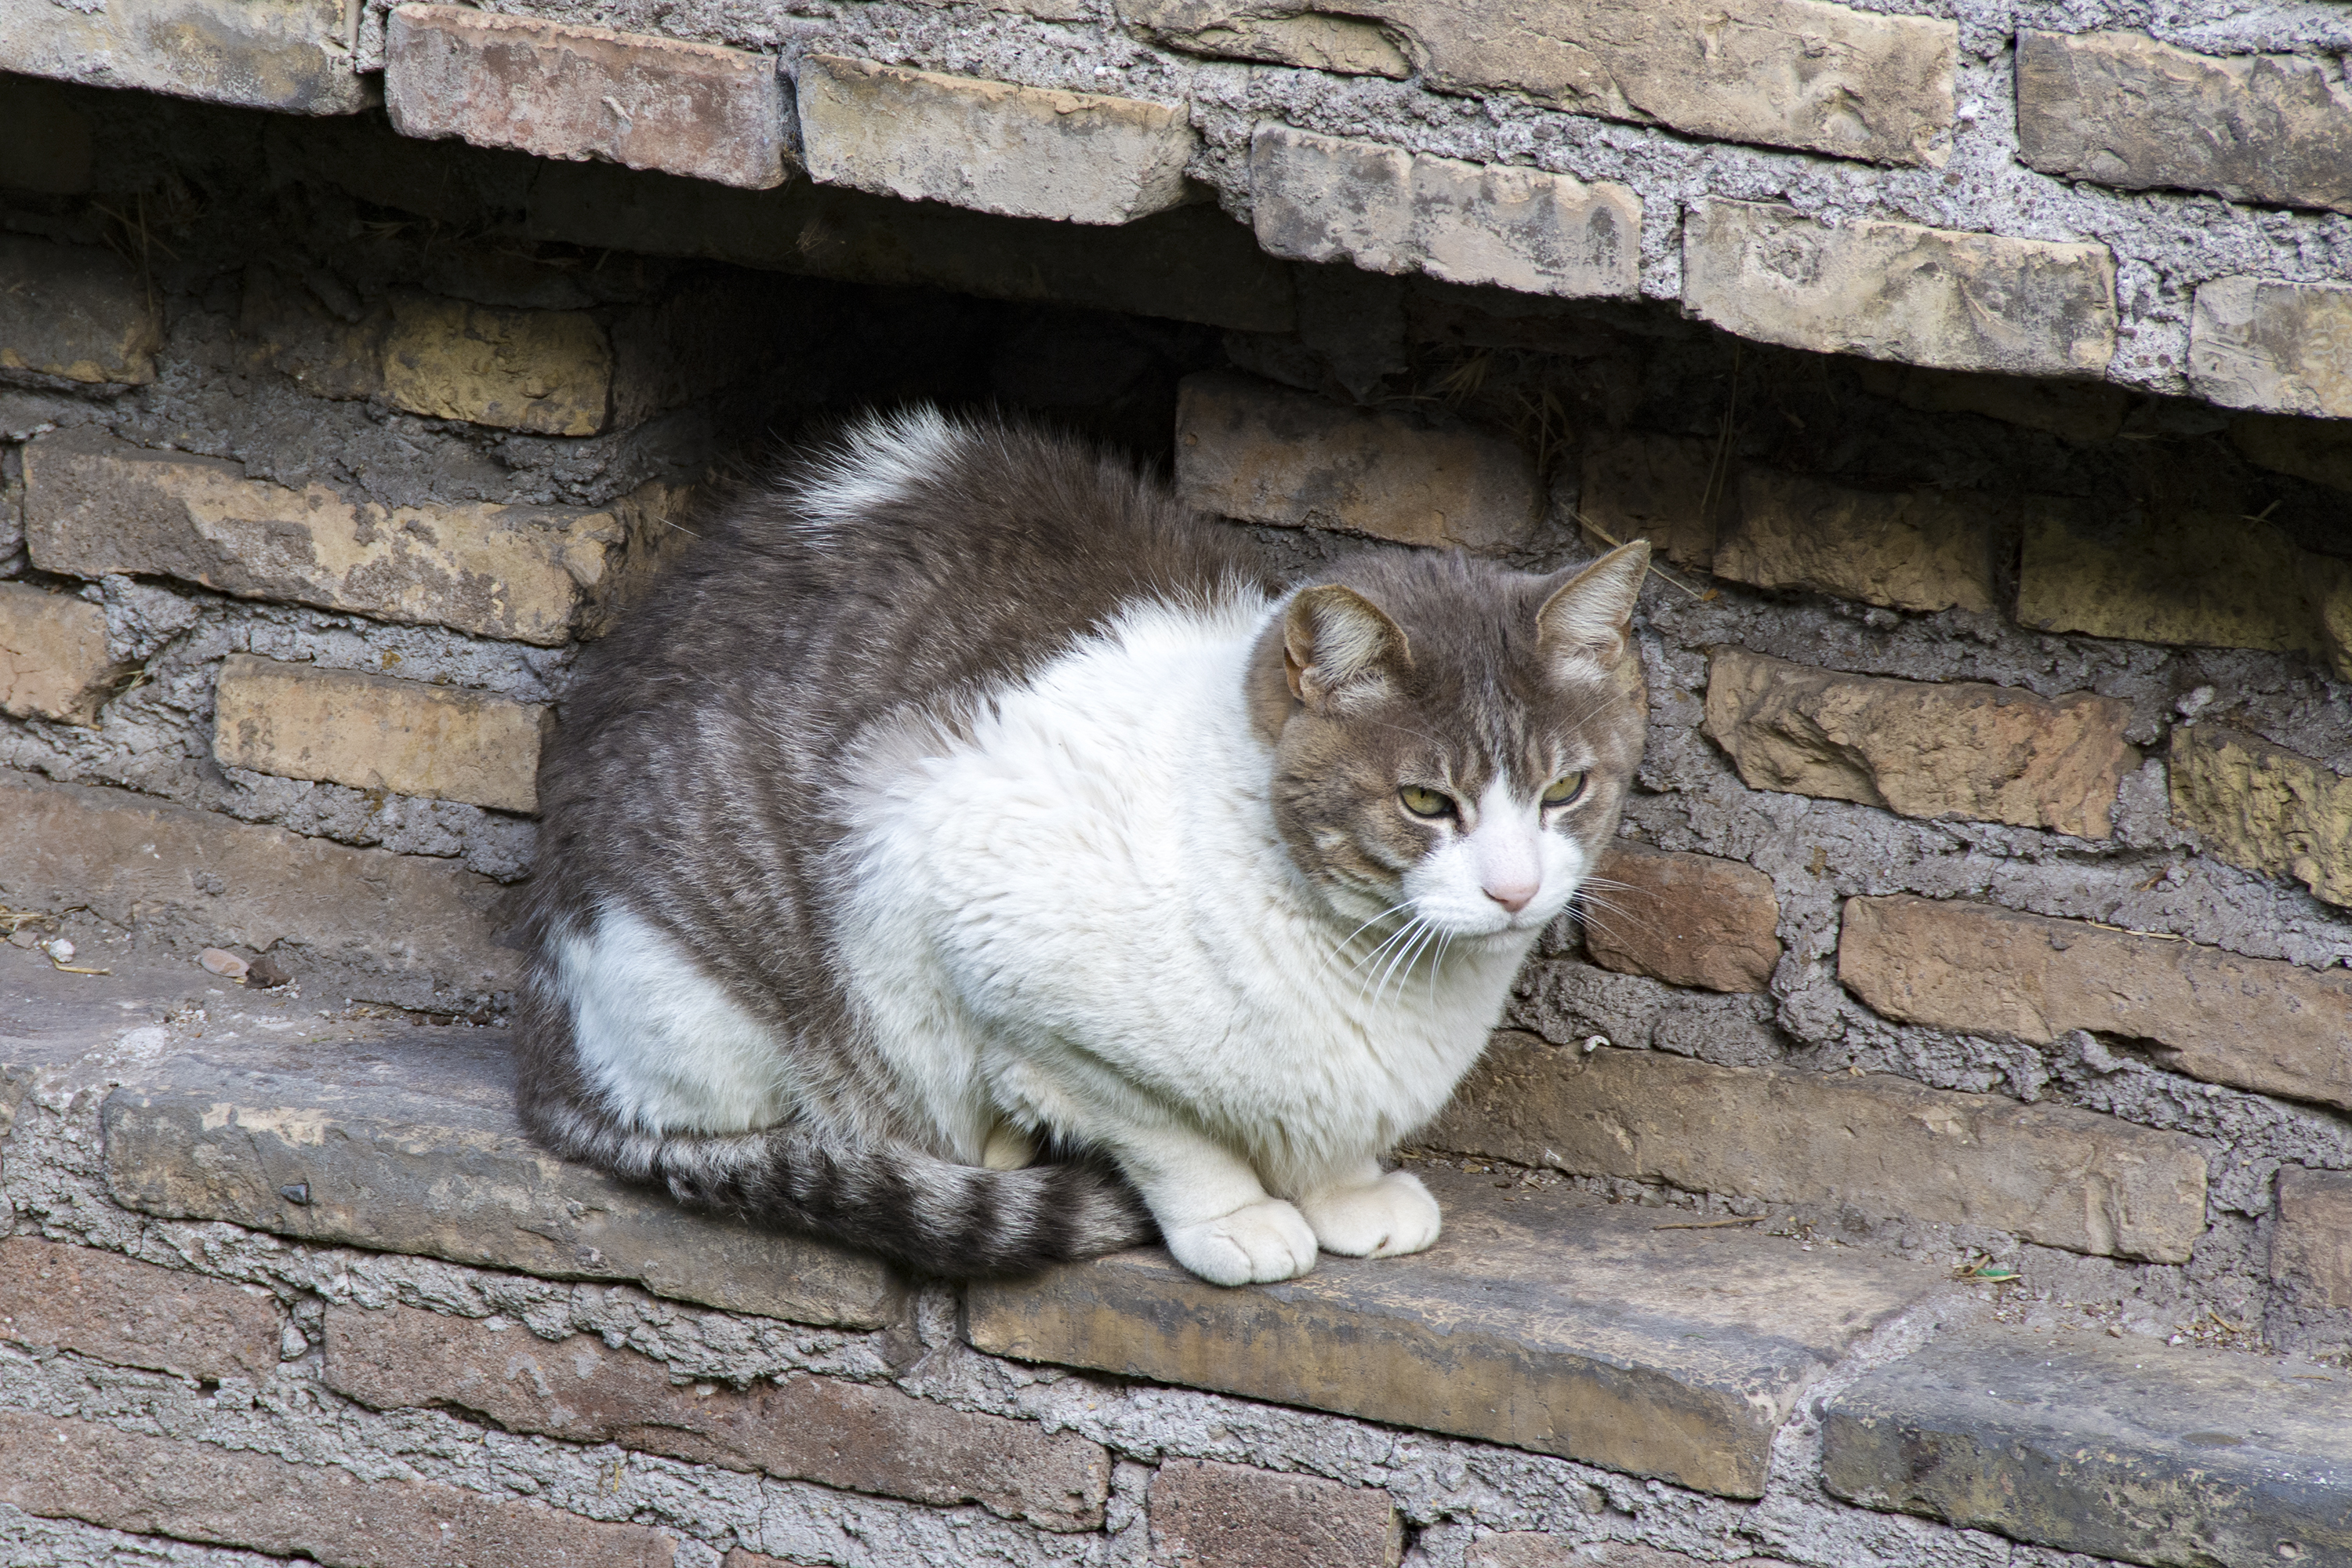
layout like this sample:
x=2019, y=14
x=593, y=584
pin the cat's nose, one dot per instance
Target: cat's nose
x=1512, y=896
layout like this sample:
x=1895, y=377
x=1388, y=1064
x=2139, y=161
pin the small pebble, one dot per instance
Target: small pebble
x=59, y=950
x=228, y=965
x=267, y=973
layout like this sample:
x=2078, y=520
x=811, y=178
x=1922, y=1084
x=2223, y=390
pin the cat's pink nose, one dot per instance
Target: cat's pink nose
x=1512, y=896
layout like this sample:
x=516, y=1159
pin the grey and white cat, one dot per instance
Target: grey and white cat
x=972, y=855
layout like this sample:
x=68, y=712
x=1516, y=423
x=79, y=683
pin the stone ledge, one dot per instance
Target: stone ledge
x=290, y=56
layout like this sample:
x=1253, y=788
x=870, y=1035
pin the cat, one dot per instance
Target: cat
x=969, y=854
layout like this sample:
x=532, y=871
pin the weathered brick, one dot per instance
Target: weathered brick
x=2264, y=807
x=1900, y=291
x=1024, y=152
x=846, y=1434
x=2207, y=579
x=1675, y=1353
x=1344, y=45
x=1960, y=749
x=53, y=658
x=290, y=56
x=1210, y=1515
x=2082, y=411
x=403, y=1144
x=1688, y=920
x=96, y=505
x=374, y=732
x=2311, y=1240
x=1880, y=1144
x=282, y=326
x=559, y=89
x=134, y=1314
x=2319, y=450
x=549, y=372
x=394, y=928
x=1316, y=198
x=75, y=311
x=1911, y=549
x=44, y=138
x=2252, y=1023
x=2119, y=1448
x=1248, y=449
x=62, y=1469
x=2122, y=110
x=2285, y=348
x=1675, y=492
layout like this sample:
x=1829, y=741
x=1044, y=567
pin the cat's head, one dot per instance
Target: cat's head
x=1453, y=740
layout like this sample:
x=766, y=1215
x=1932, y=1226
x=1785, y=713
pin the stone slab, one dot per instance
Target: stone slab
x=1538, y=1322
x=375, y=731
x=1382, y=209
x=398, y=1147
x=2122, y=110
x=64, y=1468
x=1931, y=749
x=1688, y=920
x=1344, y=45
x=857, y=1436
x=2253, y=1023
x=290, y=56
x=1908, y=550
x=2264, y=807
x=53, y=658
x=545, y=373
x=2284, y=348
x=130, y=1313
x=366, y=923
x=2319, y=450
x=1021, y=151
x=2311, y=1240
x=2120, y=1448
x=2081, y=411
x=78, y=312
x=1205, y=1514
x=96, y=505
x=1938, y=297
x=559, y=89
x=1251, y=450
x=1679, y=492
x=1884, y=1145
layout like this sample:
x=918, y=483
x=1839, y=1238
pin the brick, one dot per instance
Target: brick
x=559, y=89
x=405, y=1147
x=1675, y=492
x=1542, y=1322
x=1208, y=1515
x=2252, y=1023
x=1955, y=749
x=1260, y=453
x=1911, y=549
x=53, y=658
x=290, y=56
x=373, y=732
x=2264, y=807
x=2285, y=348
x=1022, y=151
x=1900, y=291
x=1316, y=198
x=1881, y=1144
x=846, y=1434
x=1688, y=920
x=1344, y=45
x=2311, y=1240
x=63, y=1469
x=44, y=139
x=2122, y=110
x=2082, y=411
x=547, y=373
x=134, y=1314
x=96, y=505
x=77, y=312
x=281, y=326
x=387, y=927
x=2125, y=1449
x=2319, y=450
x=2206, y=579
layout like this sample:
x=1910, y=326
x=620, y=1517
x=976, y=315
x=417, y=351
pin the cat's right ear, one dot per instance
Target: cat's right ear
x=1587, y=623
x=1340, y=650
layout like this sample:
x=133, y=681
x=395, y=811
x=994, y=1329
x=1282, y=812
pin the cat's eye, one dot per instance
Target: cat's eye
x=1425, y=801
x=1563, y=789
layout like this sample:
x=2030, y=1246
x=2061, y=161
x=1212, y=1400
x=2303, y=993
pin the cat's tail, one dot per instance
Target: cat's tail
x=929, y=1214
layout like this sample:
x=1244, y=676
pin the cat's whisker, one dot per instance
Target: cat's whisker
x=1412, y=932
x=1395, y=936
x=1348, y=941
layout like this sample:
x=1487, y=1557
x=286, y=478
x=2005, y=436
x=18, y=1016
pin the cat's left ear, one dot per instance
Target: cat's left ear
x=1587, y=624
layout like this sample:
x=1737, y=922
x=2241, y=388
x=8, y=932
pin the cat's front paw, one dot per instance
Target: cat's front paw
x=1386, y=1218
x=1263, y=1241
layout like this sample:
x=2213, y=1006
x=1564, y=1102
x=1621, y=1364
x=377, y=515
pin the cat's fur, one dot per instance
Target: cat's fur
x=964, y=802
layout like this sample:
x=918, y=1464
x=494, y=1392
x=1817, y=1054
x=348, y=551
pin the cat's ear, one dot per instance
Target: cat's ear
x=1340, y=649
x=1586, y=624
